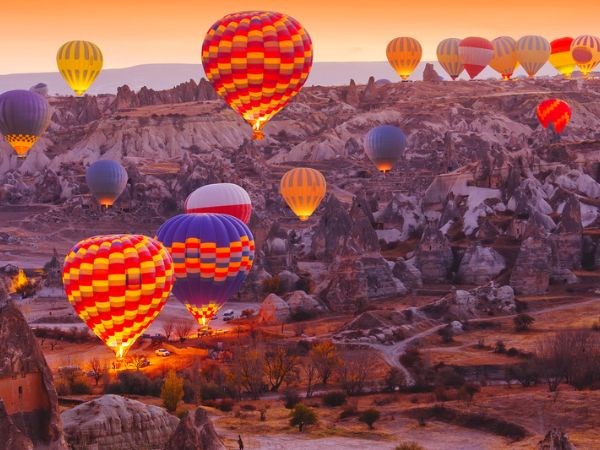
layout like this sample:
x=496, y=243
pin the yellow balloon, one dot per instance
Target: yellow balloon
x=561, y=57
x=533, y=52
x=586, y=53
x=79, y=62
x=448, y=57
x=404, y=55
x=303, y=189
x=504, y=60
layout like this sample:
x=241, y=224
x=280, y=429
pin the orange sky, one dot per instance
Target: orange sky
x=131, y=32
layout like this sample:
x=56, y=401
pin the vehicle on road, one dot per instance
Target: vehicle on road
x=162, y=352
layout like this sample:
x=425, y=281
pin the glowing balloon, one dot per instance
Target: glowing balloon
x=475, y=54
x=79, y=62
x=554, y=112
x=560, y=56
x=384, y=146
x=257, y=61
x=533, y=52
x=24, y=116
x=404, y=55
x=117, y=285
x=212, y=255
x=106, y=179
x=586, y=53
x=504, y=60
x=448, y=57
x=303, y=189
x=220, y=198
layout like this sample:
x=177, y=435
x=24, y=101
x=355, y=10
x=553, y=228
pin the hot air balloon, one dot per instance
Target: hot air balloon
x=533, y=52
x=384, y=146
x=212, y=254
x=586, y=53
x=475, y=53
x=220, y=198
x=554, y=112
x=257, y=61
x=504, y=60
x=79, y=62
x=117, y=285
x=303, y=189
x=404, y=55
x=448, y=57
x=24, y=116
x=106, y=180
x=560, y=56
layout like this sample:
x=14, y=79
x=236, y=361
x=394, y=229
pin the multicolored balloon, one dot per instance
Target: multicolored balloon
x=533, y=52
x=212, y=255
x=449, y=58
x=24, y=116
x=475, y=54
x=303, y=189
x=220, y=198
x=585, y=50
x=554, y=112
x=561, y=57
x=79, y=62
x=504, y=60
x=384, y=146
x=117, y=285
x=404, y=55
x=257, y=61
x=106, y=179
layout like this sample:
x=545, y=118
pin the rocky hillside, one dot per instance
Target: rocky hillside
x=480, y=191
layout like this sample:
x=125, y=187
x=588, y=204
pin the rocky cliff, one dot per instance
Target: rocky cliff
x=195, y=432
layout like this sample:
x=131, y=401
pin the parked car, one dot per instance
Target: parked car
x=228, y=315
x=162, y=352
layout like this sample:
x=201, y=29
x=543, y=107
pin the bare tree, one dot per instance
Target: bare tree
x=98, y=369
x=248, y=367
x=326, y=359
x=310, y=372
x=355, y=371
x=279, y=366
x=138, y=360
x=168, y=328
x=183, y=329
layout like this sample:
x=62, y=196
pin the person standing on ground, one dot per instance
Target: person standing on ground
x=240, y=442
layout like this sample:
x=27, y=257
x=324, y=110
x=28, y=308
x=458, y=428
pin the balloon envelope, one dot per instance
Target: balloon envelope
x=560, y=56
x=404, y=55
x=475, y=54
x=212, y=254
x=384, y=146
x=257, y=61
x=79, y=63
x=504, y=60
x=554, y=112
x=585, y=50
x=24, y=116
x=106, y=180
x=117, y=285
x=303, y=189
x=220, y=198
x=448, y=57
x=533, y=52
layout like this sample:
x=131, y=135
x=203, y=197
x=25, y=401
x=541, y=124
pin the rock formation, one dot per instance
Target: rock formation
x=566, y=242
x=30, y=400
x=434, y=256
x=480, y=265
x=118, y=423
x=11, y=437
x=274, y=310
x=430, y=74
x=195, y=432
x=300, y=301
x=351, y=96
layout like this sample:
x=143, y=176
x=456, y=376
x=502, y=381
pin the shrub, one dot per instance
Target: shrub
x=225, y=405
x=248, y=407
x=409, y=446
x=80, y=386
x=301, y=315
x=172, y=391
x=449, y=377
x=446, y=333
x=370, y=416
x=134, y=382
x=523, y=322
x=290, y=398
x=247, y=313
x=272, y=285
x=349, y=411
x=302, y=416
x=210, y=391
x=500, y=347
x=411, y=357
x=394, y=379
x=334, y=398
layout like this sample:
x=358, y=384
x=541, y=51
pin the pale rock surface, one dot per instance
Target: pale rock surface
x=480, y=265
x=195, y=432
x=274, y=309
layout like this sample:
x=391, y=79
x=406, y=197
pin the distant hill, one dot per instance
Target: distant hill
x=164, y=76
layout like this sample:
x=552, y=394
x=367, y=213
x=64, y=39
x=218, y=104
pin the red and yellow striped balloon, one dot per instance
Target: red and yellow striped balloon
x=118, y=284
x=560, y=56
x=257, y=61
x=585, y=50
x=203, y=314
x=554, y=112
